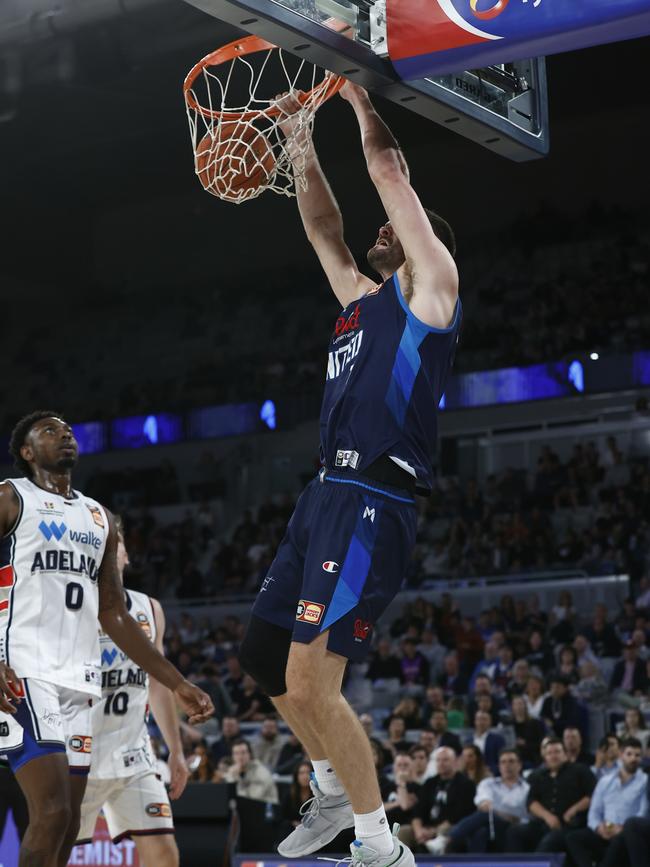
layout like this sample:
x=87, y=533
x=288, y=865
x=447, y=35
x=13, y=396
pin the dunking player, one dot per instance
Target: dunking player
x=349, y=540
x=122, y=778
x=58, y=573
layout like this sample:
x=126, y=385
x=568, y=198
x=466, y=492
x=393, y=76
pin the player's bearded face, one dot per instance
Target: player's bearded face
x=387, y=254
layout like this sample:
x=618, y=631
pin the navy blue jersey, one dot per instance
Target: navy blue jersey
x=386, y=373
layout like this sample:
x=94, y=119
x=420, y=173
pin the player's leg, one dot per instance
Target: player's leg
x=45, y=782
x=138, y=808
x=157, y=851
x=77, y=728
x=355, y=564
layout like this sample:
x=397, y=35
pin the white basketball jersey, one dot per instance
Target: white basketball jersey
x=121, y=745
x=49, y=598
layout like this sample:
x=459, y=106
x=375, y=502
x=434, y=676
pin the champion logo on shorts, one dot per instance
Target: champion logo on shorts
x=80, y=744
x=158, y=811
x=310, y=612
x=330, y=566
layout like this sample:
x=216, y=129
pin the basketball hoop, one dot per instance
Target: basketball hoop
x=239, y=149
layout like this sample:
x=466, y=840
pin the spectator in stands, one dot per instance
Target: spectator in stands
x=602, y=635
x=443, y=801
x=488, y=742
x=234, y=680
x=501, y=802
x=584, y=652
x=384, y=665
x=488, y=664
x=560, y=709
x=267, y=745
x=568, y=665
x=396, y=743
x=472, y=764
x=420, y=758
x=298, y=792
x=414, y=668
x=452, y=681
x=210, y=681
x=535, y=696
x=617, y=797
x=400, y=796
x=200, y=765
x=253, y=779
x=559, y=796
x=434, y=700
x=483, y=687
x=574, y=748
x=503, y=671
x=443, y=737
x=519, y=680
x=253, y=704
x=528, y=732
x=230, y=732
x=291, y=754
x=629, y=677
x=640, y=641
x=591, y=689
x=607, y=756
x=634, y=726
x=409, y=710
x=433, y=651
x=468, y=643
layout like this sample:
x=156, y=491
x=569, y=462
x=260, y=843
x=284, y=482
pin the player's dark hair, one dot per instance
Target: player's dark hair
x=442, y=230
x=19, y=435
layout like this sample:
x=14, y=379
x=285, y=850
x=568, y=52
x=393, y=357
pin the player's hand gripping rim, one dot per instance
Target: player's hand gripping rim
x=196, y=703
x=10, y=688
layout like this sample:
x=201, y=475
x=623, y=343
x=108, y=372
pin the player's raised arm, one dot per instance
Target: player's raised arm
x=126, y=633
x=320, y=212
x=429, y=262
x=164, y=711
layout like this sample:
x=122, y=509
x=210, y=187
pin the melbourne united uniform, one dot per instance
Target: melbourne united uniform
x=49, y=600
x=122, y=779
x=348, y=544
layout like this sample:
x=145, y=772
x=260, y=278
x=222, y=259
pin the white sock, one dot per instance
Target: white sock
x=328, y=782
x=373, y=830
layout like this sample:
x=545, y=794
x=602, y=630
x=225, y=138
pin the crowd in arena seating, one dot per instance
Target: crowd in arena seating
x=517, y=731
x=590, y=512
x=564, y=284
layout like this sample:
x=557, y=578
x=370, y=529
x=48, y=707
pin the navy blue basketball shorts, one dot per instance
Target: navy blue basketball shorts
x=341, y=562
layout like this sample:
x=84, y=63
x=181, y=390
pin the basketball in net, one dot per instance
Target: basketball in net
x=235, y=122
x=235, y=161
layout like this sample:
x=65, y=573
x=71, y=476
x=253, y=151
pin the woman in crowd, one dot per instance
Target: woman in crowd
x=568, y=664
x=534, y=696
x=528, y=732
x=296, y=795
x=200, y=765
x=472, y=764
x=634, y=727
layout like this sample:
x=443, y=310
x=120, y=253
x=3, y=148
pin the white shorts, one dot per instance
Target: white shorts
x=133, y=807
x=48, y=719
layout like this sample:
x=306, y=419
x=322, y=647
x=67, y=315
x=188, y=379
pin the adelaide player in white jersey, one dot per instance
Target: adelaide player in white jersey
x=123, y=780
x=58, y=575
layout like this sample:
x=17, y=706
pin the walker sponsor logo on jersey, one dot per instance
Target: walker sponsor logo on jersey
x=86, y=539
x=53, y=530
x=80, y=744
x=347, y=458
x=330, y=566
x=158, y=811
x=344, y=326
x=339, y=359
x=361, y=630
x=310, y=612
x=65, y=561
x=118, y=677
x=369, y=513
x=97, y=516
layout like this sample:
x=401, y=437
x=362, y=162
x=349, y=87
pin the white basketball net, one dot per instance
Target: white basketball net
x=239, y=148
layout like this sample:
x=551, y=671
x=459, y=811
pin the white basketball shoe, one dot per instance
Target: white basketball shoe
x=323, y=818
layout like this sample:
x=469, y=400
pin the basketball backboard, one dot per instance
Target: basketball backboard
x=503, y=106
